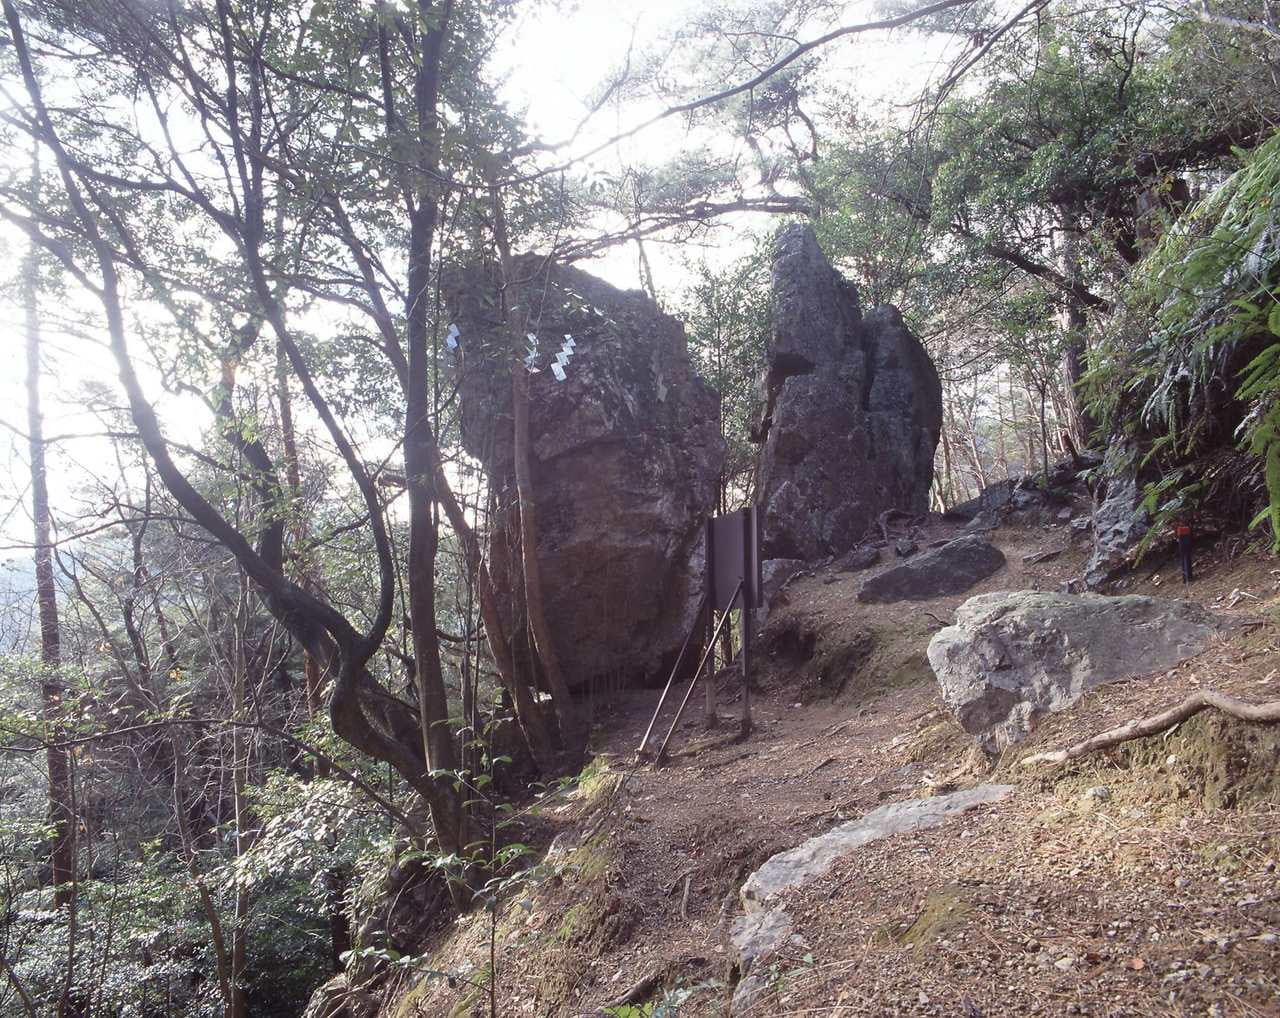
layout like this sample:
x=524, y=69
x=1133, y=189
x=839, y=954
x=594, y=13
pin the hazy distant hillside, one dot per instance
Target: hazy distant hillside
x=17, y=604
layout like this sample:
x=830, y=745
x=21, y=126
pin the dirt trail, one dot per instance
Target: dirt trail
x=1158, y=897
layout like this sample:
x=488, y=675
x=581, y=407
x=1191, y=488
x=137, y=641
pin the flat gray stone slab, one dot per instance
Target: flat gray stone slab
x=806, y=862
x=758, y=935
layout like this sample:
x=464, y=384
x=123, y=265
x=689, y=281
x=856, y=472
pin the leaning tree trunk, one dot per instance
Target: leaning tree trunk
x=1075, y=354
x=573, y=733
x=57, y=759
x=364, y=714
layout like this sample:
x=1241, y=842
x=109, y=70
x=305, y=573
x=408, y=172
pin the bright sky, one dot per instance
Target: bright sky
x=575, y=47
x=586, y=41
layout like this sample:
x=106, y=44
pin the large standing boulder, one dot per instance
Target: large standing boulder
x=951, y=569
x=853, y=410
x=626, y=456
x=1013, y=656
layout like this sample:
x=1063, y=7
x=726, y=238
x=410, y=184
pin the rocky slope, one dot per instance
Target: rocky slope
x=1141, y=882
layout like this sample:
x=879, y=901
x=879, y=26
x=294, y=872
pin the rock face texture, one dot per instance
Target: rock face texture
x=950, y=569
x=1119, y=520
x=1012, y=656
x=853, y=410
x=626, y=453
x=766, y=927
x=775, y=574
x=857, y=560
x=812, y=859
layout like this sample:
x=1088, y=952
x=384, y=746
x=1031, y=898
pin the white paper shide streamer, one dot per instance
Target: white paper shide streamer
x=559, y=363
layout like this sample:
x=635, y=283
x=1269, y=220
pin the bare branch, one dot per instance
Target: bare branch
x=754, y=81
x=1207, y=15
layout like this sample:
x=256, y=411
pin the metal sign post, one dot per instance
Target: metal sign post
x=733, y=581
x=733, y=559
x=711, y=646
x=675, y=670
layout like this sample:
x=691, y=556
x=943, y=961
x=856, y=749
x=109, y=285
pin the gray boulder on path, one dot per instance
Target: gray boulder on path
x=810, y=860
x=852, y=415
x=857, y=560
x=938, y=572
x=1013, y=656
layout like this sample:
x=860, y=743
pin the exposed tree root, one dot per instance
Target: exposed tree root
x=633, y=995
x=1261, y=713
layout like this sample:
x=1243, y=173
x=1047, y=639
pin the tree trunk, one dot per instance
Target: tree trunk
x=1075, y=355
x=298, y=529
x=573, y=732
x=646, y=272
x=239, y=1003
x=61, y=815
x=948, y=477
x=1027, y=430
x=1044, y=430
x=221, y=957
x=1002, y=450
x=969, y=443
x=453, y=827
x=364, y=714
x=529, y=714
x=726, y=646
x=334, y=883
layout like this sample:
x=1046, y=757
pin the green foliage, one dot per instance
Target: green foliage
x=727, y=314
x=1040, y=144
x=310, y=830
x=877, y=243
x=1002, y=215
x=141, y=945
x=1199, y=330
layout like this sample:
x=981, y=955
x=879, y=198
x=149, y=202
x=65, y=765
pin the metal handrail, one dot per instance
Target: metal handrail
x=675, y=670
x=711, y=645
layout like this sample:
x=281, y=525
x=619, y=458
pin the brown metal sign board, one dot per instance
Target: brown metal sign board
x=733, y=558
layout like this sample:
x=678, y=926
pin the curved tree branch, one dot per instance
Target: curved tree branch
x=1259, y=713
